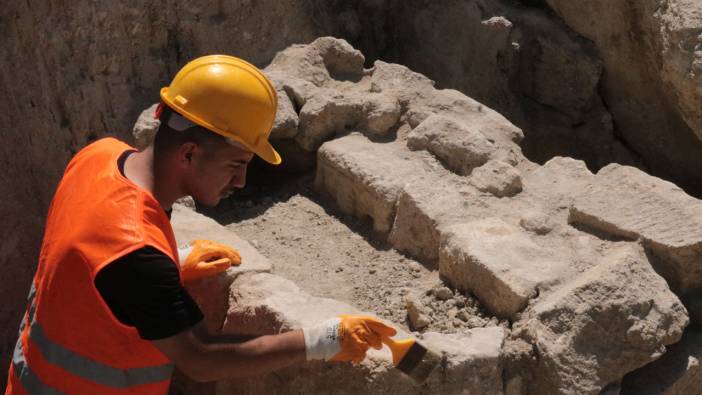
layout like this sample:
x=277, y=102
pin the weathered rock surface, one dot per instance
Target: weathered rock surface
x=189, y=225
x=326, y=115
x=599, y=309
x=457, y=145
x=498, y=178
x=265, y=303
x=498, y=263
x=146, y=127
x=423, y=208
x=365, y=179
x=557, y=183
x=416, y=312
x=612, y=319
x=473, y=360
x=678, y=372
x=537, y=222
x=210, y=293
x=625, y=202
x=322, y=78
x=286, y=119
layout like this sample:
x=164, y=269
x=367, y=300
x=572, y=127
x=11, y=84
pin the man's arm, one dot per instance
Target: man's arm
x=205, y=358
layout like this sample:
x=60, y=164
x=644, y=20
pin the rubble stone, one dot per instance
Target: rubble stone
x=286, y=119
x=536, y=222
x=381, y=114
x=416, y=312
x=497, y=263
x=327, y=114
x=612, y=319
x=497, y=178
x=340, y=58
x=443, y=293
x=146, y=127
x=459, y=146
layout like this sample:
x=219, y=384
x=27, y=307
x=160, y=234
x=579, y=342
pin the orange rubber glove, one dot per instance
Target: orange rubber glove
x=346, y=338
x=203, y=258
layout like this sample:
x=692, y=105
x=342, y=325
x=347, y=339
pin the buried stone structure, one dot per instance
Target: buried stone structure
x=597, y=274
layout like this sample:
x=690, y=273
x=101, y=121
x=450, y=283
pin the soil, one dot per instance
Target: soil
x=329, y=254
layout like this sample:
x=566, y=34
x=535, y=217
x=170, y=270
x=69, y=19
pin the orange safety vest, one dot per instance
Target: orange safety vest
x=69, y=342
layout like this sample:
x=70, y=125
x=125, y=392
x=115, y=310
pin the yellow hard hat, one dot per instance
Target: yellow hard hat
x=227, y=96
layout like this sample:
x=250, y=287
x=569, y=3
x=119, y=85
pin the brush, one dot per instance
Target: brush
x=412, y=358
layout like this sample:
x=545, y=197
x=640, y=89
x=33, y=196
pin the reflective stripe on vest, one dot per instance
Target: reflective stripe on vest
x=76, y=364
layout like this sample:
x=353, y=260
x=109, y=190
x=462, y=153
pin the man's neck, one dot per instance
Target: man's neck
x=140, y=169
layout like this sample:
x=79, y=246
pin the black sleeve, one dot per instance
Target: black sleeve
x=143, y=290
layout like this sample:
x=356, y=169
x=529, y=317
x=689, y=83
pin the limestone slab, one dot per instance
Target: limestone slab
x=498, y=263
x=626, y=202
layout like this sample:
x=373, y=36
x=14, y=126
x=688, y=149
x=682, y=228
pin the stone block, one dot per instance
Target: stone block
x=498, y=263
x=614, y=318
x=625, y=202
x=365, y=178
x=424, y=206
x=473, y=360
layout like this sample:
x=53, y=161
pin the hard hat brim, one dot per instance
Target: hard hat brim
x=268, y=153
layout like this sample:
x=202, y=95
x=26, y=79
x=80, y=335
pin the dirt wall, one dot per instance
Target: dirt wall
x=76, y=71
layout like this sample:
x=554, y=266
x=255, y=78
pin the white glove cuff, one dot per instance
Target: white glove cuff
x=323, y=341
x=183, y=252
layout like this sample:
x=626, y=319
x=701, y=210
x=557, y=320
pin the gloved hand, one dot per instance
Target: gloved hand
x=204, y=258
x=346, y=338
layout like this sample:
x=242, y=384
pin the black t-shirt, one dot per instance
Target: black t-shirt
x=143, y=290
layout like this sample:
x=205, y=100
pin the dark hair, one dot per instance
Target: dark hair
x=167, y=139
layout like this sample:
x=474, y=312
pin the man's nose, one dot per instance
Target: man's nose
x=238, y=179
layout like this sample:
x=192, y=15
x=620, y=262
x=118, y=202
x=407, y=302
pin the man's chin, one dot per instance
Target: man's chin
x=208, y=202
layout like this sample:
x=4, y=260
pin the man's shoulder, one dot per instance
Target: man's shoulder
x=105, y=147
x=110, y=144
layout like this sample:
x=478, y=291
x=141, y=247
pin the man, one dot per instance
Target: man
x=107, y=309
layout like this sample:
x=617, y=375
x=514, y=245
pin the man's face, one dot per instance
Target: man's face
x=216, y=173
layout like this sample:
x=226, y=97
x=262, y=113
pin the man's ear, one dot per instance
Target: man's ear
x=186, y=152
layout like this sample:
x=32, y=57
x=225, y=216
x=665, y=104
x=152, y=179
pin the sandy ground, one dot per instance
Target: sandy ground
x=329, y=254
